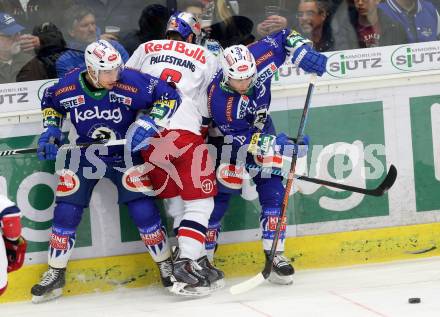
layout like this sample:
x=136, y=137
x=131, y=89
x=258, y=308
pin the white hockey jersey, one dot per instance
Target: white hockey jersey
x=191, y=67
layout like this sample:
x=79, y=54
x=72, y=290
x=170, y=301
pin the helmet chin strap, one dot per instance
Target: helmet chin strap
x=94, y=79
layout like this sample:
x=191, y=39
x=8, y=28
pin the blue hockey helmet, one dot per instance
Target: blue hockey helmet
x=185, y=24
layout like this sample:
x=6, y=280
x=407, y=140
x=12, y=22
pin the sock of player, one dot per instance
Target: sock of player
x=61, y=243
x=156, y=241
x=192, y=229
x=268, y=223
x=211, y=239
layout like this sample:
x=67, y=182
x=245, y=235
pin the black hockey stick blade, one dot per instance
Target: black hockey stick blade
x=386, y=184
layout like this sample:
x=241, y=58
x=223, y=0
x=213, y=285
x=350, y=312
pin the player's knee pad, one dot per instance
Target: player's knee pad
x=175, y=208
x=270, y=191
x=268, y=222
x=144, y=212
x=67, y=215
x=221, y=202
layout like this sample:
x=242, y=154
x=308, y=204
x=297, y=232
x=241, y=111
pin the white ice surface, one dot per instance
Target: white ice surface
x=368, y=290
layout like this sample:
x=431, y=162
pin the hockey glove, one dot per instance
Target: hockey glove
x=15, y=252
x=266, y=144
x=163, y=110
x=48, y=143
x=140, y=133
x=309, y=60
x=289, y=147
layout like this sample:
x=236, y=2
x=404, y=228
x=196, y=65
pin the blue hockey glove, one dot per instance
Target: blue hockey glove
x=48, y=143
x=288, y=146
x=140, y=133
x=310, y=60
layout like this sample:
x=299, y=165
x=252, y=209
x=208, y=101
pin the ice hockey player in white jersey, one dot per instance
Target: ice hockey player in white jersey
x=183, y=173
x=12, y=245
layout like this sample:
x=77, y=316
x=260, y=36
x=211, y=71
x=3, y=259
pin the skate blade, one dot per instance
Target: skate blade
x=183, y=289
x=47, y=297
x=219, y=284
x=281, y=280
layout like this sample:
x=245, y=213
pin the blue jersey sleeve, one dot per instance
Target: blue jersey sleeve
x=53, y=112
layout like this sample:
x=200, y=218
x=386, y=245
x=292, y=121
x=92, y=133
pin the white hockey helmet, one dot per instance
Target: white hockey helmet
x=100, y=56
x=184, y=23
x=238, y=63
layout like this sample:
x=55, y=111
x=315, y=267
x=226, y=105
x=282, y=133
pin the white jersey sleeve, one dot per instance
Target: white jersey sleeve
x=191, y=67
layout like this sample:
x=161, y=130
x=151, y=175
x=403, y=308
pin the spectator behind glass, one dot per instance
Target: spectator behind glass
x=12, y=59
x=14, y=9
x=80, y=31
x=228, y=27
x=42, y=66
x=152, y=25
x=116, y=13
x=361, y=24
x=314, y=23
x=419, y=18
x=43, y=11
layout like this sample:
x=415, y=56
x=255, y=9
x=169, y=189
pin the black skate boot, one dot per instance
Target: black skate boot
x=188, y=279
x=50, y=286
x=215, y=276
x=166, y=270
x=282, y=270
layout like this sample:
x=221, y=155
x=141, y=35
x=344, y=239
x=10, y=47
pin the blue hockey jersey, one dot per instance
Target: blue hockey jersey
x=103, y=114
x=242, y=115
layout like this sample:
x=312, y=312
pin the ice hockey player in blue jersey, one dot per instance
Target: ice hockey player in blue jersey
x=103, y=103
x=239, y=99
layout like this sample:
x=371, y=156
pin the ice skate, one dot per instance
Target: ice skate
x=166, y=270
x=215, y=276
x=282, y=270
x=188, y=279
x=50, y=286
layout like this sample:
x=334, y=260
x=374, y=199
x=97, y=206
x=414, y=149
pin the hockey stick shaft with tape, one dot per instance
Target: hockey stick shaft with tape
x=64, y=147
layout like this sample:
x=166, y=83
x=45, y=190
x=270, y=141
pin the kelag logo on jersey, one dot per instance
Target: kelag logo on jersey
x=114, y=97
x=114, y=115
x=340, y=65
x=73, y=102
x=265, y=73
x=408, y=58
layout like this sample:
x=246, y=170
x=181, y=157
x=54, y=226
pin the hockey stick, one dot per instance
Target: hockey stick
x=383, y=187
x=66, y=147
x=258, y=279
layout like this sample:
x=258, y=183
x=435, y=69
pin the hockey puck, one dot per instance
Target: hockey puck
x=414, y=300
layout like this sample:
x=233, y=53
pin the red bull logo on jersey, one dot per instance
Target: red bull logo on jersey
x=186, y=49
x=230, y=175
x=68, y=183
x=135, y=179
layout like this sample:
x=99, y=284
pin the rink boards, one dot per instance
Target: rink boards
x=357, y=130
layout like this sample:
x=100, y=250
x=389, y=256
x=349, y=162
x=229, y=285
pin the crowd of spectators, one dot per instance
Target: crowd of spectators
x=43, y=39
